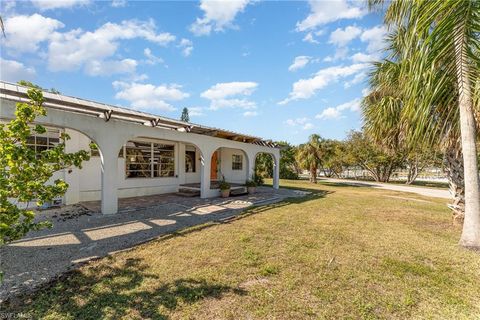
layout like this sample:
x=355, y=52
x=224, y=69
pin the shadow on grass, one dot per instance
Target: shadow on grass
x=321, y=182
x=107, y=291
x=345, y=184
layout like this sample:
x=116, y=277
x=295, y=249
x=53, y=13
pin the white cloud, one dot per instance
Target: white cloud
x=359, y=77
x=336, y=112
x=375, y=38
x=196, y=111
x=226, y=95
x=309, y=37
x=362, y=57
x=323, y=12
x=14, y=71
x=109, y=67
x=148, y=96
x=75, y=49
x=226, y=89
x=217, y=16
x=306, y=88
x=299, y=63
x=186, y=46
x=341, y=37
x=25, y=33
x=329, y=113
x=58, y=4
x=340, y=53
x=308, y=126
x=138, y=77
x=151, y=58
x=250, y=114
x=301, y=122
x=119, y=3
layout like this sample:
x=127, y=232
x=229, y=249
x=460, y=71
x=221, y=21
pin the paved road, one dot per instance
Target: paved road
x=428, y=192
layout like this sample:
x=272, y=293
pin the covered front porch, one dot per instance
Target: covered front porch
x=141, y=154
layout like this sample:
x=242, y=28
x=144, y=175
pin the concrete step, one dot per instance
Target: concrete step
x=186, y=192
x=237, y=191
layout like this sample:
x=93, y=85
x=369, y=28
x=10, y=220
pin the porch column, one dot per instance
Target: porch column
x=276, y=171
x=205, y=167
x=251, y=164
x=109, y=180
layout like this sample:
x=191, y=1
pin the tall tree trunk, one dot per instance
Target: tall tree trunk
x=471, y=225
x=413, y=171
x=453, y=163
x=313, y=175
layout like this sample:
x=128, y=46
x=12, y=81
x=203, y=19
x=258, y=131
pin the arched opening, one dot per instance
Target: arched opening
x=229, y=164
x=266, y=168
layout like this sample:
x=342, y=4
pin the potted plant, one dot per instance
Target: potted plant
x=251, y=185
x=224, y=188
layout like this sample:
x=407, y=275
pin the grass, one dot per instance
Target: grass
x=343, y=252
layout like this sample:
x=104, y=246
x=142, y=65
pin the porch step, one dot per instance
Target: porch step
x=188, y=192
x=238, y=191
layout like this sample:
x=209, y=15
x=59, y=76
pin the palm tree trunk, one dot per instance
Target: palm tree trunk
x=471, y=226
x=453, y=162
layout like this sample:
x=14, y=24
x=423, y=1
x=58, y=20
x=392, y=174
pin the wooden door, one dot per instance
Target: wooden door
x=213, y=167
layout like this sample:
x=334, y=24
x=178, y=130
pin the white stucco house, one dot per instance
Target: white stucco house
x=139, y=153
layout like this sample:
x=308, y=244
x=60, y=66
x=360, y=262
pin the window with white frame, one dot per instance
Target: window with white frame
x=44, y=141
x=149, y=159
x=237, y=162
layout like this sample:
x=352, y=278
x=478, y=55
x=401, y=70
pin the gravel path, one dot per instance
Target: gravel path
x=79, y=235
x=428, y=192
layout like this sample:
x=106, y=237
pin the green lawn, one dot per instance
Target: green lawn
x=344, y=252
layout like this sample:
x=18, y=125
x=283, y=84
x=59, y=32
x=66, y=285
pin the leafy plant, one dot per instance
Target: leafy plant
x=251, y=183
x=24, y=173
x=224, y=185
x=258, y=179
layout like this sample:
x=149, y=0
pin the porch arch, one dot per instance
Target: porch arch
x=275, y=166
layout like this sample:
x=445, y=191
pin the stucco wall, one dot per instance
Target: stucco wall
x=111, y=134
x=226, y=157
x=85, y=183
x=89, y=177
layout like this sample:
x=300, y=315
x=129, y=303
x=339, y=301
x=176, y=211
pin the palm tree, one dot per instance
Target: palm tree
x=389, y=121
x=441, y=47
x=309, y=156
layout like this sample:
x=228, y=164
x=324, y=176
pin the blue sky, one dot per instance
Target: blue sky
x=279, y=70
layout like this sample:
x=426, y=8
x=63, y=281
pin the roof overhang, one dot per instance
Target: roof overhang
x=18, y=93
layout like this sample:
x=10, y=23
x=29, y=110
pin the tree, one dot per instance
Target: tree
x=264, y=165
x=24, y=174
x=185, y=117
x=35, y=86
x=288, y=164
x=362, y=151
x=309, y=156
x=441, y=46
x=333, y=161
